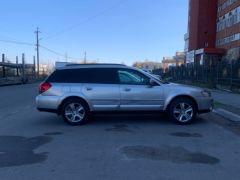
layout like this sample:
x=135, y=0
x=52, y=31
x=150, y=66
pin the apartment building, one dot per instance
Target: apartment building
x=213, y=31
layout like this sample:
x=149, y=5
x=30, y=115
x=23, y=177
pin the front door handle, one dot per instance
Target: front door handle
x=127, y=89
x=89, y=89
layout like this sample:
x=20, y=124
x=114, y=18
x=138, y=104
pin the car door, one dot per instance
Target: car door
x=102, y=89
x=136, y=93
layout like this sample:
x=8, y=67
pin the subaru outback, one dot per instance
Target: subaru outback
x=77, y=91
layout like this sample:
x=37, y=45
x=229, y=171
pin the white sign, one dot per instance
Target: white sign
x=199, y=51
x=190, y=57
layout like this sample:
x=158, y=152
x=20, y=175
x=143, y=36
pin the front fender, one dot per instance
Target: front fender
x=175, y=94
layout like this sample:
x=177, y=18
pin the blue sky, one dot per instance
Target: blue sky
x=108, y=30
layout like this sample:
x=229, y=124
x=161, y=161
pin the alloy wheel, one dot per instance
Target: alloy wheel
x=74, y=112
x=183, y=112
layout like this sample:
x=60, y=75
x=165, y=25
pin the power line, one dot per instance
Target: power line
x=86, y=20
x=58, y=53
x=52, y=51
x=38, y=46
x=17, y=42
x=9, y=38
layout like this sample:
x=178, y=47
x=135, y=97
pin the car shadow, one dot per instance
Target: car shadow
x=132, y=118
x=139, y=119
x=107, y=119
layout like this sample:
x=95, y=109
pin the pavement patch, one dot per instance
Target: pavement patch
x=185, y=134
x=53, y=133
x=168, y=153
x=119, y=128
x=17, y=150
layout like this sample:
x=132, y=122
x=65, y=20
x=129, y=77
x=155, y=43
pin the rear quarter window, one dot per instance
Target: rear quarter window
x=57, y=76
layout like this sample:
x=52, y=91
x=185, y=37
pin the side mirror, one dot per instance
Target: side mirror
x=158, y=77
x=152, y=82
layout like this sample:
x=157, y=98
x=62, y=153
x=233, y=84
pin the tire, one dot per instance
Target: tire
x=182, y=111
x=75, y=112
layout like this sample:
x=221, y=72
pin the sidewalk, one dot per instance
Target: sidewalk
x=10, y=81
x=227, y=104
x=226, y=98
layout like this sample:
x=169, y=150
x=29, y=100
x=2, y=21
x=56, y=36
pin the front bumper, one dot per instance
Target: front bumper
x=205, y=104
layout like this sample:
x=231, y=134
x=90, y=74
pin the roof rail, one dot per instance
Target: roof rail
x=95, y=64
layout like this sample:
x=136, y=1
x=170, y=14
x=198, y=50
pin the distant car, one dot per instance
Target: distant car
x=151, y=73
x=76, y=91
x=147, y=70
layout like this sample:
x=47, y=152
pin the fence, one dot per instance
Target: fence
x=223, y=75
x=14, y=73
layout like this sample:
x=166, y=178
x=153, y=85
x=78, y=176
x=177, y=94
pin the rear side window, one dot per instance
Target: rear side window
x=85, y=75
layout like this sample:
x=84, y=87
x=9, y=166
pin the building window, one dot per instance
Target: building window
x=227, y=40
x=225, y=5
x=229, y=19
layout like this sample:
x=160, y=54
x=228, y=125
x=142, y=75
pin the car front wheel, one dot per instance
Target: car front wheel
x=182, y=111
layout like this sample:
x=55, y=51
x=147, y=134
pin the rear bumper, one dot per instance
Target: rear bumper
x=47, y=102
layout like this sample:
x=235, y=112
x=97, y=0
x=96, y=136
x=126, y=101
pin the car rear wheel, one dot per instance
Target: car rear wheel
x=182, y=111
x=75, y=112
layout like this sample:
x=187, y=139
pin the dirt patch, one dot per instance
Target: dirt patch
x=120, y=128
x=167, y=153
x=53, y=133
x=17, y=150
x=185, y=134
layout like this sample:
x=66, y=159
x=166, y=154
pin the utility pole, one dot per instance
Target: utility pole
x=23, y=69
x=66, y=57
x=37, y=48
x=17, y=65
x=85, y=58
x=34, y=66
x=3, y=68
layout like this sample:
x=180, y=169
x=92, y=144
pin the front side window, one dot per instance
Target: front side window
x=132, y=77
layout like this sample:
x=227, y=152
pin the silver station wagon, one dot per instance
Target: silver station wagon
x=77, y=91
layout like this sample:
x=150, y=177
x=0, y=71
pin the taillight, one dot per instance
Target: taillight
x=44, y=87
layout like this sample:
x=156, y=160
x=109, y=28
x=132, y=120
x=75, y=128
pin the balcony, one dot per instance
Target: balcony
x=186, y=36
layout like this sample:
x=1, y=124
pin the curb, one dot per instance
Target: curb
x=10, y=84
x=227, y=114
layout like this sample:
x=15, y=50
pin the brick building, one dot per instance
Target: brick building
x=228, y=28
x=148, y=65
x=213, y=31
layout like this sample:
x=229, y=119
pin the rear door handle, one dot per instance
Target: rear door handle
x=127, y=89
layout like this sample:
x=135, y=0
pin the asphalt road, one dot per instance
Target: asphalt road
x=39, y=146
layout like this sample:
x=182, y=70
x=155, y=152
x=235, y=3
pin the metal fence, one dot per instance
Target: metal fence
x=223, y=75
x=13, y=73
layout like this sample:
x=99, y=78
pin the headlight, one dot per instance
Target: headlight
x=206, y=93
